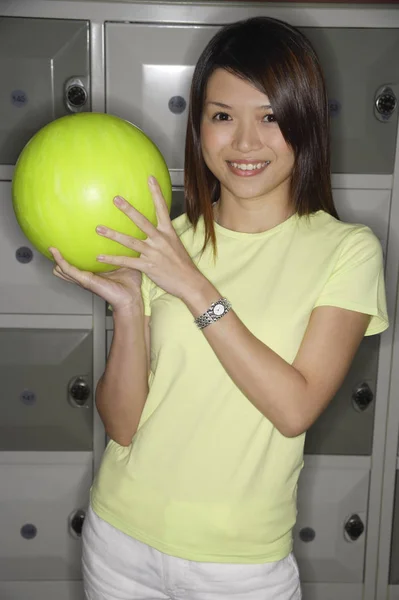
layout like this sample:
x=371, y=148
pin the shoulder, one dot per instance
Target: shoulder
x=326, y=231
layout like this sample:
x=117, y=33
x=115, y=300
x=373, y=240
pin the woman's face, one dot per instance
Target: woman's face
x=241, y=142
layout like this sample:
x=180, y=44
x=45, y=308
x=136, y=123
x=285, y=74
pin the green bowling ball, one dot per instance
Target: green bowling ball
x=67, y=176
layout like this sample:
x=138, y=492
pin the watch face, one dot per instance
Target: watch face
x=218, y=309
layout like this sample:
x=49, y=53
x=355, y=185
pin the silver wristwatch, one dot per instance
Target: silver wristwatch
x=215, y=312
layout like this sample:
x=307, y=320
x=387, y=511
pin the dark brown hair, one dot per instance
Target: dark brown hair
x=280, y=62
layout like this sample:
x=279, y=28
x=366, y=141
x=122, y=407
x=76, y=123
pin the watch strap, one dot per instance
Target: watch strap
x=210, y=316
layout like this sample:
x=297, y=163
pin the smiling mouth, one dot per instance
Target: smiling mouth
x=247, y=169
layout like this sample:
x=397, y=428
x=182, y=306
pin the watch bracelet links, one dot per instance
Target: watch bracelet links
x=209, y=317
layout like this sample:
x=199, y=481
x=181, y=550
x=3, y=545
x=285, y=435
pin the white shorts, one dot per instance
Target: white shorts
x=118, y=567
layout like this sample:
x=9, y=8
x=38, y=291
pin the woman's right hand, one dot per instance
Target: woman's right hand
x=120, y=288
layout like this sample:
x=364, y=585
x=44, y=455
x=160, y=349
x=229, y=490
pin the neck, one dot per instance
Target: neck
x=249, y=218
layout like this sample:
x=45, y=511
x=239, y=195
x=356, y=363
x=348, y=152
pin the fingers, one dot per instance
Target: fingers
x=121, y=238
x=58, y=273
x=159, y=201
x=140, y=220
x=122, y=261
x=65, y=271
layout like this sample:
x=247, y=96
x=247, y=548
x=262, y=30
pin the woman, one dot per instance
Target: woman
x=257, y=300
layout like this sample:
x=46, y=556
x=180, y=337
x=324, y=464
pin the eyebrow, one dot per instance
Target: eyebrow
x=221, y=105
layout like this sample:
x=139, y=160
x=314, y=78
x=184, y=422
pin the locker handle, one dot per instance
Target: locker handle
x=362, y=396
x=76, y=523
x=354, y=527
x=79, y=392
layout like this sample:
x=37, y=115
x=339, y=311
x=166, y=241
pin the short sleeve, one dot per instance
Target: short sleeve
x=146, y=285
x=357, y=280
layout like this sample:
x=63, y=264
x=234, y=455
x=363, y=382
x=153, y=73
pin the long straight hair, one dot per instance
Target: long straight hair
x=279, y=61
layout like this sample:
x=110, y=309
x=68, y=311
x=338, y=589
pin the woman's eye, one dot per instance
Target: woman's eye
x=270, y=118
x=221, y=117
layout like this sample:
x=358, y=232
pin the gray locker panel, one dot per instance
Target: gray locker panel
x=394, y=569
x=45, y=590
x=149, y=70
x=330, y=533
x=46, y=400
x=37, y=505
x=357, y=63
x=148, y=77
x=177, y=203
x=346, y=426
x=27, y=283
x=39, y=58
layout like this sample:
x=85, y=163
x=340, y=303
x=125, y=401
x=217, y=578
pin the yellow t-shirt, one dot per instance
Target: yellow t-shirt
x=207, y=477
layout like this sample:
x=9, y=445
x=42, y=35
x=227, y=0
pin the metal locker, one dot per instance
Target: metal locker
x=161, y=58
x=42, y=507
x=330, y=533
x=44, y=69
x=362, y=79
x=46, y=390
x=148, y=76
x=346, y=426
x=27, y=284
x=394, y=567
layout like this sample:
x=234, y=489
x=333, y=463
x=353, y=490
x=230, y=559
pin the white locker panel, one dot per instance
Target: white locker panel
x=38, y=504
x=330, y=533
x=27, y=284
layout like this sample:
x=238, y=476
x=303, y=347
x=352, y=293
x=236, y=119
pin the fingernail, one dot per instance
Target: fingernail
x=152, y=180
x=100, y=257
x=118, y=201
x=101, y=229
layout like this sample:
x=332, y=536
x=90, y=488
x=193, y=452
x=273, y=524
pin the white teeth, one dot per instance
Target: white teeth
x=249, y=166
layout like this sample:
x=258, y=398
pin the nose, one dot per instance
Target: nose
x=247, y=138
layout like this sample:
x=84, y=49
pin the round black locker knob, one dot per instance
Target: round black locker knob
x=28, y=531
x=79, y=391
x=307, y=534
x=362, y=396
x=24, y=255
x=76, y=522
x=354, y=527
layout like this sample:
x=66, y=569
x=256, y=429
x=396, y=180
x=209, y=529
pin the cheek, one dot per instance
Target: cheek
x=213, y=138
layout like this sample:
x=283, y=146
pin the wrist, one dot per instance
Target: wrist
x=201, y=294
x=128, y=313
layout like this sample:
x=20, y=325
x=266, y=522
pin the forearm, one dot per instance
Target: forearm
x=275, y=387
x=122, y=390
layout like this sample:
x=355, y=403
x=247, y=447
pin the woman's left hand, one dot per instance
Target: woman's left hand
x=163, y=258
